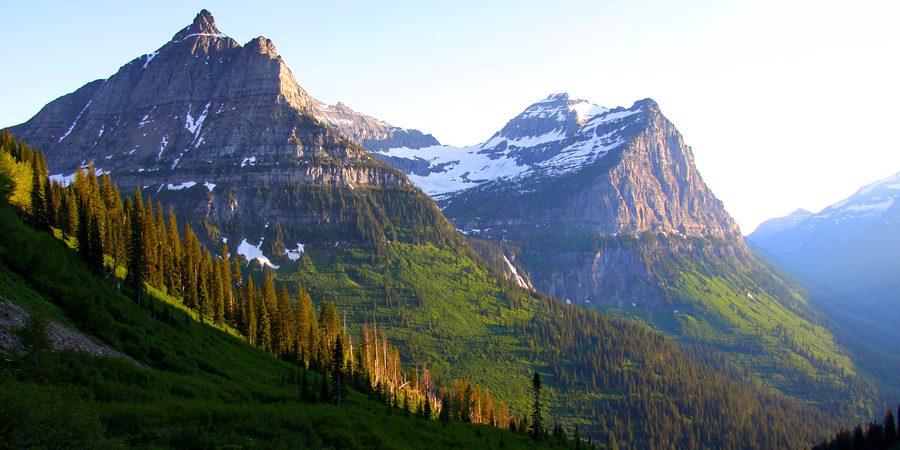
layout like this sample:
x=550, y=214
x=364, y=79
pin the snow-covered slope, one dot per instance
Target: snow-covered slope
x=870, y=202
x=551, y=137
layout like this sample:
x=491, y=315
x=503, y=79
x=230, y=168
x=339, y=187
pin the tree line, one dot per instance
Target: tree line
x=160, y=255
x=875, y=436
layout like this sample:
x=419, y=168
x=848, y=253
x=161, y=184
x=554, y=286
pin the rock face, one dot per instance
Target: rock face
x=565, y=173
x=227, y=134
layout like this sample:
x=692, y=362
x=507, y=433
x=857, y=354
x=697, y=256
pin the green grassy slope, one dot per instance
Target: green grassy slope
x=202, y=388
x=614, y=378
x=715, y=296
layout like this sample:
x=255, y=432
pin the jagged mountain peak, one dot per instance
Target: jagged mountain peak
x=263, y=46
x=203, y=25
x=556, y=115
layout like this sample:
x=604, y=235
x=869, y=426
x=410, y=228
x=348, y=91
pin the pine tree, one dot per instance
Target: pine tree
x=536, y=419
x=174, y=284
x=283, y=326
x=227, y=289
x=137, y=257
x=83, y=233
x=250, y=312
x=304, y=387
x=444, y=415
x=218, y=292
x=890, y=429
x=95, y=244
x=337, y=369
x=39, y=218
x=265, y=311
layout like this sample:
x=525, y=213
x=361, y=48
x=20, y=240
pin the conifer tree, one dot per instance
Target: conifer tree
x=204, y=301
x=304, y=387
x=173, y=282
x=95, y=245
x=191, y=261
x=83, y=234
x=250, y=312
x=283, y=329
x=265, y=311
x=890, y=429
x=537, y=426
x=227, y=288
x=70, y=223
x=137, y=257
x=39, y=218
x=218, y=293
x=337, y=369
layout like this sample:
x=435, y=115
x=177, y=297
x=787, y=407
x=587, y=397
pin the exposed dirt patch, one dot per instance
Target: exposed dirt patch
x=13, y=317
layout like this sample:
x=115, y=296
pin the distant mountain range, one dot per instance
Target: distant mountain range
x=851, y=247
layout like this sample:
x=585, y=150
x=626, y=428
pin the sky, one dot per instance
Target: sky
x=786, y=104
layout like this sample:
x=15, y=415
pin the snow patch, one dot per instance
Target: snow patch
x=64, y=180
x=249, y=161
x=146, y=119
x=180, y=186
x=149, y=57
x=193, y=125
x=72, y=127
x=294, y=254
x=252, y=252
x=162, y=146
x=585, y=110
x=209, y=186
x=872, y=207
x=215, y=35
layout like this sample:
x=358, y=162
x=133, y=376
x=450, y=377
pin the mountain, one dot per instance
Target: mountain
x=225, y=134
x=848, y=254
x=849, y=247
x=779, y=224
x=605, y=207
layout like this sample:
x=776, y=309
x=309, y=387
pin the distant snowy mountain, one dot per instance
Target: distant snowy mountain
x=850, y=248
x=871, y=203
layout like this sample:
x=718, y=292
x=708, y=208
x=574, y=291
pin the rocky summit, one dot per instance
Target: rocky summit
x=226, y=134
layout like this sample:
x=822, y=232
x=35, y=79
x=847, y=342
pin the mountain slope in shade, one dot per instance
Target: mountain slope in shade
x=848, y=253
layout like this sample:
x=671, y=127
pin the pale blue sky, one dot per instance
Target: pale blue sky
x=786, y=103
